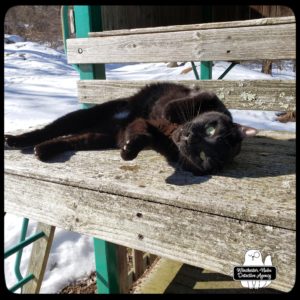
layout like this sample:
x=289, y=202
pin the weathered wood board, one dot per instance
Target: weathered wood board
x=271, y=41
x=208, y=221
x=186, y=27
x=39, y=258
x=273, y=95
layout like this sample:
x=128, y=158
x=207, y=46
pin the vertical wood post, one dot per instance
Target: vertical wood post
x=138, y=263
x=38, y=259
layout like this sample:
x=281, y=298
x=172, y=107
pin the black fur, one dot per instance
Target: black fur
x=188, y=126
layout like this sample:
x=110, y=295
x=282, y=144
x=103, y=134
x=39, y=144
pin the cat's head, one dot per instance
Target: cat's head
x=209, y=141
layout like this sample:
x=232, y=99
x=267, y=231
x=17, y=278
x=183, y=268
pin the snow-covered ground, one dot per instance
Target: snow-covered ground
x=39, y=87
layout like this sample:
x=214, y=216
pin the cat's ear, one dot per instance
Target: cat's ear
x=246, y=131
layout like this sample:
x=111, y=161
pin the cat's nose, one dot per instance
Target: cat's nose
x=186, y=135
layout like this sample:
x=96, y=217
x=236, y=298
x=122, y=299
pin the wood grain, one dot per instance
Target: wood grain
x=188, y=27
x=238, y=43
x=208, y=221
x=122, y=269
x=138, y=263
x=276, y=95
x=264, y=171
x=210, y=241
x=38, y=259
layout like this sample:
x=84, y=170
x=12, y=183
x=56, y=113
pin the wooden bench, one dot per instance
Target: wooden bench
x=208, y=221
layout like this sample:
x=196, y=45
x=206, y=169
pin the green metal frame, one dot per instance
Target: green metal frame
x=19, y=249
x=206, y=70
x=88, y=19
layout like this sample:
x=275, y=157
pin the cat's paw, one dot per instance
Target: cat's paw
x=16, y=141
x=42, y=152
x=127, y=151
x=11, y=141
x=132, y=147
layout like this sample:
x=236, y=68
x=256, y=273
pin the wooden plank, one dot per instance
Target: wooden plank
x=38, y=259
x=123, y=269
x=264, y=171
x=276, y=95
x=206, y=240
x=159, y=277
x=240, y=43
x=188, y=27
x=138, y=263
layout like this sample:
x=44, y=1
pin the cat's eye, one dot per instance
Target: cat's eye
x=202, y=155
x=210, y=131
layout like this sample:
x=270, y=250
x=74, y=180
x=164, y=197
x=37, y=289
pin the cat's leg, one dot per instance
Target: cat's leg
x=134, y=139
x=85, y=141
x=152, y=134
x=75, y=122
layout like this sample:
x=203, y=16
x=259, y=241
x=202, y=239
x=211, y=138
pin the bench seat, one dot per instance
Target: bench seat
x=208, y=221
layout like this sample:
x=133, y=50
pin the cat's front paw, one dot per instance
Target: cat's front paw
x=128, y=152
x=132, y=147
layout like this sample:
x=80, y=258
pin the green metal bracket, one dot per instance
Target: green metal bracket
x=20, y=252
x=227, y=70
x=19, y=249
x=195, y=70
x=21, y=282
x=23, y=244
x=88, y=19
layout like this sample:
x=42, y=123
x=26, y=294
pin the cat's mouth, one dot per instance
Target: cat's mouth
x=194, y=158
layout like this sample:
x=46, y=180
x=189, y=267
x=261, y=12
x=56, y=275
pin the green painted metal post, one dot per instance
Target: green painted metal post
x=20, y=252
x=106, y=267
x=88, y=19
x=206, y=66
x=206, y=70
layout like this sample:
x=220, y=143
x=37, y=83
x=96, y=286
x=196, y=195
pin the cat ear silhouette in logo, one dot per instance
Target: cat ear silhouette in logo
x=254, y=258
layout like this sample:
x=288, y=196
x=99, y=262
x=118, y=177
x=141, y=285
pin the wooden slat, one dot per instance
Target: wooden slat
x=123, y=269
x=138, y=263
x=273, y=95
x=207, y=221
x=239, y=43
x=38, y=259
x=264, y=171
x=205, y=240
x=189, y=27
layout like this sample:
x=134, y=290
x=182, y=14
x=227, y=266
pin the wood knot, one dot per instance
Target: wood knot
x=140, y=236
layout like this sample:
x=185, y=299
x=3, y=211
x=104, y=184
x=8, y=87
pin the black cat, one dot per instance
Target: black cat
x=188, y=126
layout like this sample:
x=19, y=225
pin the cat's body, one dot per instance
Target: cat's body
x=189, y=126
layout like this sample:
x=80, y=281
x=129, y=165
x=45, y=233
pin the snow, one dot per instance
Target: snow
x=40, y=86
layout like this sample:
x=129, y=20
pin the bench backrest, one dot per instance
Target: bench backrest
x=268, y=38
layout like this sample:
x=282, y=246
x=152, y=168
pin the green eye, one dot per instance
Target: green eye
x=210, y=131
x=202, y=155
